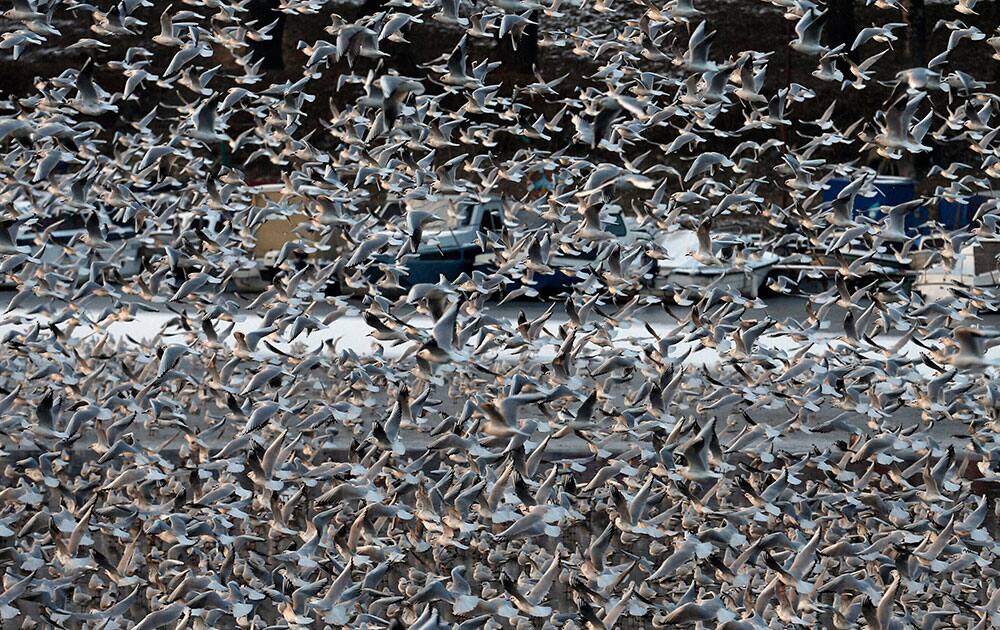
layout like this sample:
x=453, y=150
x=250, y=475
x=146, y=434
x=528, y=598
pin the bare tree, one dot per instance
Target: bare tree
x=370, y=7
x=519, y=53
x=916, y=20
x=264, y=12
x=842, y=27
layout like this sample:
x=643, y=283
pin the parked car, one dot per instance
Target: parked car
x=448, y=247
x=886, y=191
x=973, y=266
x=269, y=238
x=273, y=234
x=64, y=231
x=452, y=247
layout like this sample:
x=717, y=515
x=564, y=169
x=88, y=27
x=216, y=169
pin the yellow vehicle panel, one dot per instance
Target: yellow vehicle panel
x=274, y=233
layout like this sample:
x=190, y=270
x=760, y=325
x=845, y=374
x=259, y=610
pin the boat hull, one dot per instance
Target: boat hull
x=974, y=266
x=747, y=282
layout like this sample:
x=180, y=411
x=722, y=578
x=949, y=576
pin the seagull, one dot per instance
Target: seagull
x=90, y=99
x=882, y=34
x=401, y=336
x=699, y=44
x=809, y=28
x=206, y=124
x=971, y=344
x=898, y=133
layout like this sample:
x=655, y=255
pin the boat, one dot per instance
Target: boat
x=973, y=267
x=734, y=264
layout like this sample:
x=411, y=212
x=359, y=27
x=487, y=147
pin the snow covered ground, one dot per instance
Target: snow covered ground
x=351, y=332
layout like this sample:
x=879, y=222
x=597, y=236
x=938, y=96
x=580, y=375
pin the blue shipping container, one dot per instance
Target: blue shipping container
x=953, y=215
x=889, y=191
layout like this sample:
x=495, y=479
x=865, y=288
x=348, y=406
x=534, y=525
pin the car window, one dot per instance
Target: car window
x=391, y=210
x=458, y=213
x=492, y=220
x=461, y=214
x=67, y=221
x=616, y=225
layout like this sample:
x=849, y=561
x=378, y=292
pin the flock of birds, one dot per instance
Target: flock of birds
x=568, y=469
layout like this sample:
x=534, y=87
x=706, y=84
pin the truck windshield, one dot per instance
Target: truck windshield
x=452, y=215
x=616, y=225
